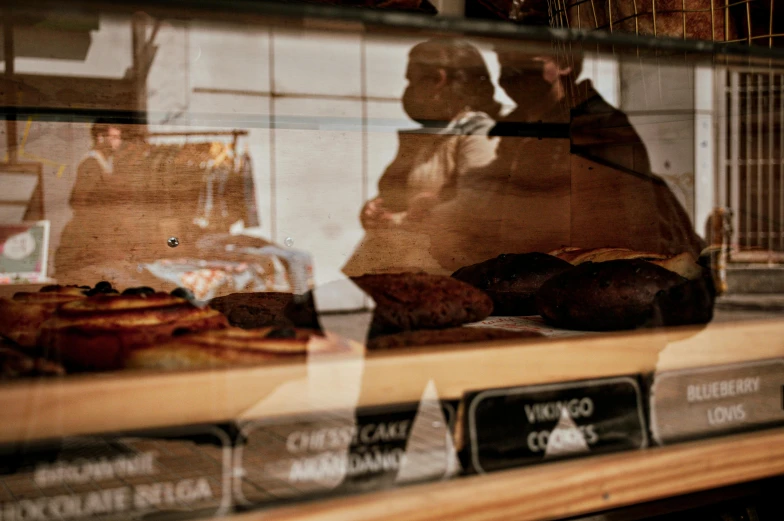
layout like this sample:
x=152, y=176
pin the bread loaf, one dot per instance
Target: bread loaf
x=605, y=296
x=512, y=280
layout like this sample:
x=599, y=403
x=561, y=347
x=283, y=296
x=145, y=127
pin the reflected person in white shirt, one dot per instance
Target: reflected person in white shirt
x=451, y=95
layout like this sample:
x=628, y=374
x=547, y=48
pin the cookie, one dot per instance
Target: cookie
x=512, y=280
x=408, y=301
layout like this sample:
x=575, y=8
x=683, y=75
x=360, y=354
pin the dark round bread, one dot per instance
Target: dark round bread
x=689, y=303
x=512, y=280
x=406, y=301
x=604, y=296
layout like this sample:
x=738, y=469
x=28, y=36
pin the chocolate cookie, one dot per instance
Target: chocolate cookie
x=406, y=301
x=454, y=335
x=267, y=309
x=512, y=280
x=604, y=296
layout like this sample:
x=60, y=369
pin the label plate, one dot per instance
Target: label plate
x=341, y=453
x=171, y=473
x=695, y=403
x=527, y=425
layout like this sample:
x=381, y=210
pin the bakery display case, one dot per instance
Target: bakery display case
x=317, y=261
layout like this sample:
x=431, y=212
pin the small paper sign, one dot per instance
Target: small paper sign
x=24, y=251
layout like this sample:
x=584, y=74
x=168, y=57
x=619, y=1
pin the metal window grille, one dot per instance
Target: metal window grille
x=751, y=162
x=751, y=21
x=750, y=174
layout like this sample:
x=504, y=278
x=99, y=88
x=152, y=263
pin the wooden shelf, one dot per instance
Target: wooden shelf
x=108, y=402
x=559, y=490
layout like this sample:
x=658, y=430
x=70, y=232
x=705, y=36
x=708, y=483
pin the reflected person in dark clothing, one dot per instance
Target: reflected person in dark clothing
x=450, y=94
x=94, y=231
x=588, y=186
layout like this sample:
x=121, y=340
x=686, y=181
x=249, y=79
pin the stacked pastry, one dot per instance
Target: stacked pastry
x=99, y=332
x=98, y=329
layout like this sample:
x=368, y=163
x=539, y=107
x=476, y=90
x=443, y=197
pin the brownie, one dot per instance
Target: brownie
x=454, y=335
x=254, y=310
x=512, y=280
x=605, y=296
x=407, y=301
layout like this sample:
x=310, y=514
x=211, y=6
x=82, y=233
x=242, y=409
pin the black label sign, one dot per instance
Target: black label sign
x=527, y=425
x=703, y=402
x=121, y=476
x=343, y=452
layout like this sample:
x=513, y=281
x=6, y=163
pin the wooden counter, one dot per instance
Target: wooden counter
x=72, y=405
x=559, y=490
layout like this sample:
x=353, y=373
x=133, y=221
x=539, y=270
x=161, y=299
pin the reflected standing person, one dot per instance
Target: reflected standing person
x=450, y=94
x=589, y=186
x=92, y=231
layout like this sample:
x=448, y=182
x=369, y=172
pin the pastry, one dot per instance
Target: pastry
x=98, y=332
x=454, y=335
x=605, y=296
x=254, y=310
x=21, y=317
x=238, y=347
x=581, y=255
x=683, y=264
x=14, y=364
x=406, y=301
x=512, y=280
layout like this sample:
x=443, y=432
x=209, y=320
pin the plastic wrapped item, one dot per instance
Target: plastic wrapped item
x=275, y=269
